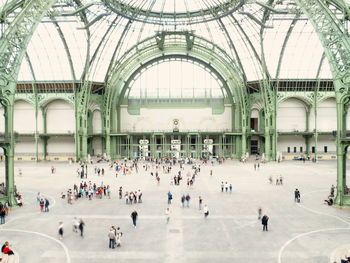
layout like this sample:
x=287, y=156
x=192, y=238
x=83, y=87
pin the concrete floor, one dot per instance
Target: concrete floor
x=307, y=232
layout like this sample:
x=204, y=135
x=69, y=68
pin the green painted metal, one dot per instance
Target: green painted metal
x=336, y=43
x=13, y=44
x=175, y=44
x=138, y=11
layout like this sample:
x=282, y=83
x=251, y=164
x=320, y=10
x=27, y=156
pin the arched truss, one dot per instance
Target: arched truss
x=211, y=70
x=169, y=45
x=335, y=39
x=209, y=11
x=13, y=45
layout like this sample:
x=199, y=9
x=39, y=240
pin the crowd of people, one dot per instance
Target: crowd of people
x=157, y=168
x=87, y=190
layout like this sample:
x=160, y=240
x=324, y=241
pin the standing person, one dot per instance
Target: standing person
x=2, y=214
x=188, y=198
x=52, y=169
x=206, y=211
x=259, y=213
x=281, y=180
x=226, y=187
x=75, y=225
x=60, y=230
x=19, y=172
x=264, y=222
x=47, y=203
x=332, y=190
x=134, y=217
x=38, y=197
x=297, y=196
x=81, y=227
x=222, y=187
x=200, y=201
x=139, y=195
x=120, y=192
x=167, y=215
x=119, y=235
x=230, y=188
x=183, y=198
x=112, y=236
x=41, y=204
x=170, y=197
x=108, y=192
x=211, y=172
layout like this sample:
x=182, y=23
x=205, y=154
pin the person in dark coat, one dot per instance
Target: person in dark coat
x=134, y=217
x=297, y=195
x=264, y=222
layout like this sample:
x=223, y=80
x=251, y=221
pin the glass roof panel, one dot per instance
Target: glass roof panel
x=237, y=33
x=303, y=53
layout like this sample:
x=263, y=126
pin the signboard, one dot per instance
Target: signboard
x=144, y=142
x=208, y=141
x=175, y=142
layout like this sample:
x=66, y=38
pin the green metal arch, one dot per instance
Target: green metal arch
x=165, y=57
x=175, y=44
x=305, y=101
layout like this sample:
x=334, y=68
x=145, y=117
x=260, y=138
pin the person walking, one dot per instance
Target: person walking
x=170, y=197
x=60, y=230
x=183, y=198
x=75, y=225
x=134, y=217
x=2, y=214
x=297, y=196
x=119, y=235
x=112, y=236
x=200, y=201
x=81, y=227
x=47, y=203
x=264, y=222
x=167, y=215
x=259, y=213
x=206, y=211
x=41, y=204
x=332, y=190
x=188, y=198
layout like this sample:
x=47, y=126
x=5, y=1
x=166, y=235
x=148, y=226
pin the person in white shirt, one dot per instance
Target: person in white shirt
x=167, y=215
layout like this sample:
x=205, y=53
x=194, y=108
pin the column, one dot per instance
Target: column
x=9, y=155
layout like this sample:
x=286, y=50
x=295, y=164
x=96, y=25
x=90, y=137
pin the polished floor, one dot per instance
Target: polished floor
x=307, y=232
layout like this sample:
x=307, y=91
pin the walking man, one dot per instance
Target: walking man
x=297, y=196
x=264, y=222
x=167, y=215
x=188, y=198
x=134, y=217
x=47, y=203
x=206, y=211
x=200, y=201
x=81, y=227
x=111, y=236
x=170, y=197
x=60, y=230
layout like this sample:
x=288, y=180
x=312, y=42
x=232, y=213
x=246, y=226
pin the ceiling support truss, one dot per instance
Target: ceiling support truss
x=336, y=43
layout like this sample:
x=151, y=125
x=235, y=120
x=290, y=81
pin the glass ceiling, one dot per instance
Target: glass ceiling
x=70, y=44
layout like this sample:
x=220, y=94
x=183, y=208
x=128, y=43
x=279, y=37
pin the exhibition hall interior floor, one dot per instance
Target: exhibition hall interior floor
x=306, y=232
